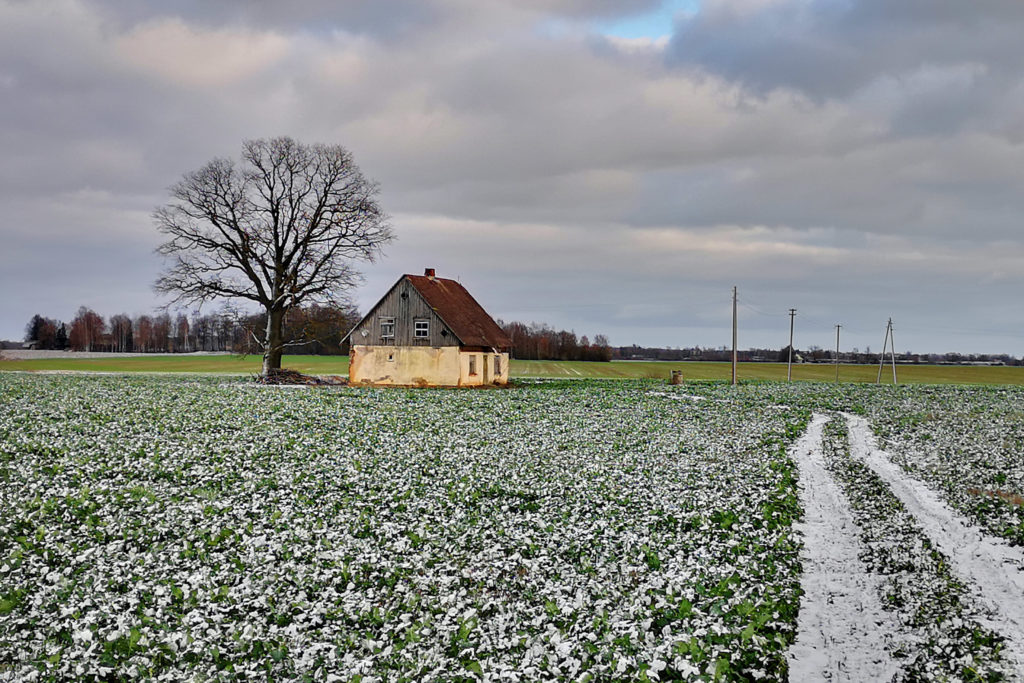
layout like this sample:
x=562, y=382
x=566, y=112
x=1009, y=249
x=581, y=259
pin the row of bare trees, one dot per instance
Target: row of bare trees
x=538, y=341
x=309, y=330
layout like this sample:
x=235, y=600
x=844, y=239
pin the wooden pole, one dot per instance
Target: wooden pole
x=734, y=336
x=892, y=338
x=881, y=356
x=789, y=366
x=837, y=352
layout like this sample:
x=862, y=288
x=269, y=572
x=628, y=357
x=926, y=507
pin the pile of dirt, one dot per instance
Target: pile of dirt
x=294, y=377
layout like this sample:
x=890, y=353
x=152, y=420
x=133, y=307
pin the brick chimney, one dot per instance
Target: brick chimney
x=429, y=272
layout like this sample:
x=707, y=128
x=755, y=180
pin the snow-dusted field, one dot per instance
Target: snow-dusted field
x=155, y=526
x=584, y=530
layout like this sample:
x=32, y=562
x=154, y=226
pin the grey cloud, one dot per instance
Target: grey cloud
x=590, y=9
x=385, y=19
x=565, y=179
x=681, y=297
x=382, y=18
x=831, y=49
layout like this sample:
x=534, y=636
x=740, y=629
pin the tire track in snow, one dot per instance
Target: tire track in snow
x=993, y=569
x=843, y=634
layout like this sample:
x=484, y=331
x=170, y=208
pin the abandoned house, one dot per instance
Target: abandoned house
x=428, y=331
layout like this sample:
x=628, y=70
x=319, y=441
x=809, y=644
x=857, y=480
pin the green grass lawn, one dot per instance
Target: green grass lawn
x=338, y=365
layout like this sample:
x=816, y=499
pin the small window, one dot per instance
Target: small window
x=472, y=364
x=391, y=358
x=387, y=328
x=497, y=365
x=421, y=329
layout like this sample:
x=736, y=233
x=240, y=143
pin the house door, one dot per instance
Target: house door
x=487, y=369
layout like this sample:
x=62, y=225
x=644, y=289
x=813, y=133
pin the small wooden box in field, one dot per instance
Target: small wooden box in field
x=677, y=377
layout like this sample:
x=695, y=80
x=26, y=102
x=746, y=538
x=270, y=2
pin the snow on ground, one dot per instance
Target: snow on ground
x=843, y=634
x=994, y=569
x=680, y=397
x=40, y=354
x=194, y=530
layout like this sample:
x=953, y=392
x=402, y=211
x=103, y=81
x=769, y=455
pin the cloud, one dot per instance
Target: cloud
x=825, y=154
x=831, y=49
x=188, y=56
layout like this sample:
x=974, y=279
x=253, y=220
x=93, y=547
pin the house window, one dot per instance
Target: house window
x=472, y=364
x=497, y=365
x=387, y=328
x=421, y=329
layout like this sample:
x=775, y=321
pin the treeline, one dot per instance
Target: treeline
x=315, y=330
x=814, y=354
x=721, y=353
x=538, y=341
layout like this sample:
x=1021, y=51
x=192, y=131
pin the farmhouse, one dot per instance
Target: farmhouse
x=428, y=331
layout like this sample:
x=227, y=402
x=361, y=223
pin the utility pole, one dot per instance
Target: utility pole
x=881, y=357
x=734, y=336
x=881, y=361
x=789, y=366
x=892, y=339
x=837, y=352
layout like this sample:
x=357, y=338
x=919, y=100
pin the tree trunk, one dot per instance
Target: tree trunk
x=275, y=343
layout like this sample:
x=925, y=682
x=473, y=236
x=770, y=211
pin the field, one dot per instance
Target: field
x=205, y=527
x=338, y=365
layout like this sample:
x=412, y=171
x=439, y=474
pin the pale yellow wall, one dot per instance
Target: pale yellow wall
x=501, y=377
x=423, y=366
x=409, y=365
x=484, y=368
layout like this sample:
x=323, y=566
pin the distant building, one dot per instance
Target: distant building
x=428, y=331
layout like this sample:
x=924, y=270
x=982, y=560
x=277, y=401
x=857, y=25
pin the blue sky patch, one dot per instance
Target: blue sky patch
x=651, y=24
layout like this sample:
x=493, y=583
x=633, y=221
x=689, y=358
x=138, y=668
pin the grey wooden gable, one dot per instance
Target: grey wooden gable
x=406, y=305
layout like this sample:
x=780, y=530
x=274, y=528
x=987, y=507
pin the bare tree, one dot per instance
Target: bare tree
x=143, y=335
x=121, y=332
x=181, y=333
x=161, y=332
x=86, y=330
x=280, y=229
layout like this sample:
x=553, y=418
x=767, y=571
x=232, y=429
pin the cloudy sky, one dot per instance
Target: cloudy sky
x=610, y=166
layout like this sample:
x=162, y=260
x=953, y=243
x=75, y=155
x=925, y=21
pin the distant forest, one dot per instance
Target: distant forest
x=814, y=354
x=315, y=330
x=318, y=330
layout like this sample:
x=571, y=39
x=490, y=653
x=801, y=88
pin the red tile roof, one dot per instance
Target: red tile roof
x=460, y=312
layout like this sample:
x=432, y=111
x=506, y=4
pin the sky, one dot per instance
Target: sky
x=613, y=167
